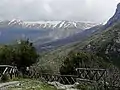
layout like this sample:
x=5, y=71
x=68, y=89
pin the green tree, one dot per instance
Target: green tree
x=22, y=54
x=6, y=55
x=81, y=60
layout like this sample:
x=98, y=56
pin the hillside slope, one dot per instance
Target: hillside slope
x=105, y=44
x=70, y=39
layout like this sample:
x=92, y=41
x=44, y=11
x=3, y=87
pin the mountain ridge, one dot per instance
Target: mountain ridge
x=115, y=18
x=46, y=31
x=49, y=24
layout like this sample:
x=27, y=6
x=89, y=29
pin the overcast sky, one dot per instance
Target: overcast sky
x=35, y=10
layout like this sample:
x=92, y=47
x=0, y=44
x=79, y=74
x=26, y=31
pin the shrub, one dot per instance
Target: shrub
x=21, y=54
x=81, y=60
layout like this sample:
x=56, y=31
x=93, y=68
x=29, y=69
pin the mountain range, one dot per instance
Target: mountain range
x=47, y=24
x=78, y=37
x=40, y=32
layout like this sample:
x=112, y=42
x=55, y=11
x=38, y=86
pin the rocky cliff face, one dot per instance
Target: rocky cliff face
x=115, y=18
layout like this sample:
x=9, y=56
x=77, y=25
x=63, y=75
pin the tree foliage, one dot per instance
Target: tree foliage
x=81, y=60
x=22, y=54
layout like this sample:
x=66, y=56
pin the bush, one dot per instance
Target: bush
x=21, y=54
x=80, y=60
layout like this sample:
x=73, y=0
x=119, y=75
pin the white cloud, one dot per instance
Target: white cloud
x=47, y=8
x=35, y=10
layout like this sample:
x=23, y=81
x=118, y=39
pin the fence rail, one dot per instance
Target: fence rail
x=91, y=75
x=100, y=76
x=7, y=69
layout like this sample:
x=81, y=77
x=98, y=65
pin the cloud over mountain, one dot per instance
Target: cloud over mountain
x=83, y=10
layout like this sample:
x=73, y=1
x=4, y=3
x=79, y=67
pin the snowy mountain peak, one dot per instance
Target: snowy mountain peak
x=15, y=22
x=50, y=24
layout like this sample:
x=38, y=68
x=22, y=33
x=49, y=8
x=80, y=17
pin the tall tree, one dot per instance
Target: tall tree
x=22, y=54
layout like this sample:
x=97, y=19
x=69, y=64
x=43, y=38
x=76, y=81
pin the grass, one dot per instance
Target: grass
x=29, y=84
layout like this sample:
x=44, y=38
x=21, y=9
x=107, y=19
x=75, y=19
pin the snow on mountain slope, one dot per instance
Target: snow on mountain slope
x=42, y=31
x=49, y=24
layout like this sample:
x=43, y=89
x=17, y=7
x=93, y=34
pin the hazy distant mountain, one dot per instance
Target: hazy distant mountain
x=42, y=32
x=70, y=39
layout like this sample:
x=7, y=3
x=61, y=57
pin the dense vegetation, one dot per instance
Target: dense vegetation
x=21, y=54
x=81, y=60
